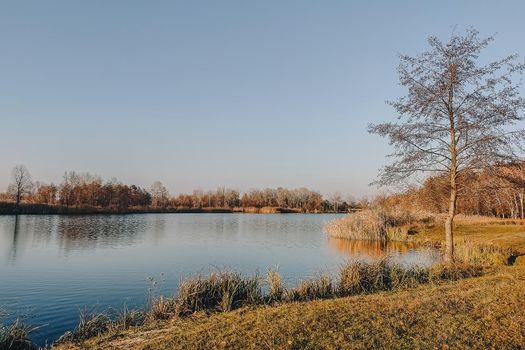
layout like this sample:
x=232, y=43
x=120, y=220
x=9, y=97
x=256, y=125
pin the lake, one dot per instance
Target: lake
x=53, y=266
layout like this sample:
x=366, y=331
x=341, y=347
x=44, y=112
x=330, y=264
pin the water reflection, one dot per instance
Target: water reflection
x=71, y=233
x=401, y=252
x=89, y=232
x=14, y=243
x=373, y=249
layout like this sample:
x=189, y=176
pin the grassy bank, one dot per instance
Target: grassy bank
x=480, y=313
x=228, y=290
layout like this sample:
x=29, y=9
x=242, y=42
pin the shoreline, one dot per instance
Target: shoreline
x=7, y=208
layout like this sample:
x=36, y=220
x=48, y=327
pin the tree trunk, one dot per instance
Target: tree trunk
x=449, y=223
x=521, y=204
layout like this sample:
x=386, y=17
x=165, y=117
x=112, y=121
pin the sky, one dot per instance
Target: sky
x=201, y=94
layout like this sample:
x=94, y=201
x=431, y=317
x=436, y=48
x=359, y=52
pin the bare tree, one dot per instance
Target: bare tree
x=159, y=194
x=457, y=116
x=336, y=199
x=22, y=183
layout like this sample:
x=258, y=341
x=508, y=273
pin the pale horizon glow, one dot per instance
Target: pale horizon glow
x=204, y=94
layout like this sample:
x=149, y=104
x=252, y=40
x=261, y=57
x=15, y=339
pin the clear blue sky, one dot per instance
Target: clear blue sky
x=200, y=94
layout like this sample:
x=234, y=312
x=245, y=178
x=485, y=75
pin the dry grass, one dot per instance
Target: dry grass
x=480, y=254
x=477, y=220
x=219, y=291
x=491, y=231
x=377, y=224
x=227, y=290
x=161, y=308
x=16, y=335
x=361, y=277
x=477, y=313
x=126, y=319
x=321, y=287
x=275, y=286
x=91, y=324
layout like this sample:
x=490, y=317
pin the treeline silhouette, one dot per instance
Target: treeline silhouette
x=84, y=192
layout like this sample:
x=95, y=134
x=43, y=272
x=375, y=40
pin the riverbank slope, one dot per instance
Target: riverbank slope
x=477, y=313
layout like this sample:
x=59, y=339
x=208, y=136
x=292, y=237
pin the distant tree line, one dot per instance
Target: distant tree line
x=496, y=191
x=84, y=190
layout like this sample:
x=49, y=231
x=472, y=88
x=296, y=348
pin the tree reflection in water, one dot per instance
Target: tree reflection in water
x=404, y=252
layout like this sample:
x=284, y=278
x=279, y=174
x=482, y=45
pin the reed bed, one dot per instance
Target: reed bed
x=378, y=224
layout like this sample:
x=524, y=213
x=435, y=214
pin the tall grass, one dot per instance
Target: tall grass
x=219, y=291
x=377, y=224
x=275, y=285
x=15, y=335
x=321, y=287
x=359, y=277
x=93, y=323
x=127, y=318
x=227, y=290
x=482, y=254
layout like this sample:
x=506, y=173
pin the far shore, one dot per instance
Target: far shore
x=7, y=208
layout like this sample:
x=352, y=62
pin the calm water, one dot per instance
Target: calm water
x=53, y=266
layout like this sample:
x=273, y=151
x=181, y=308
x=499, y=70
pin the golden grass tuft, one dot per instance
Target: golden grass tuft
x=275, y=286
x=161, y=308
x=219, y=291
x=480, y=254
x=321, y=287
